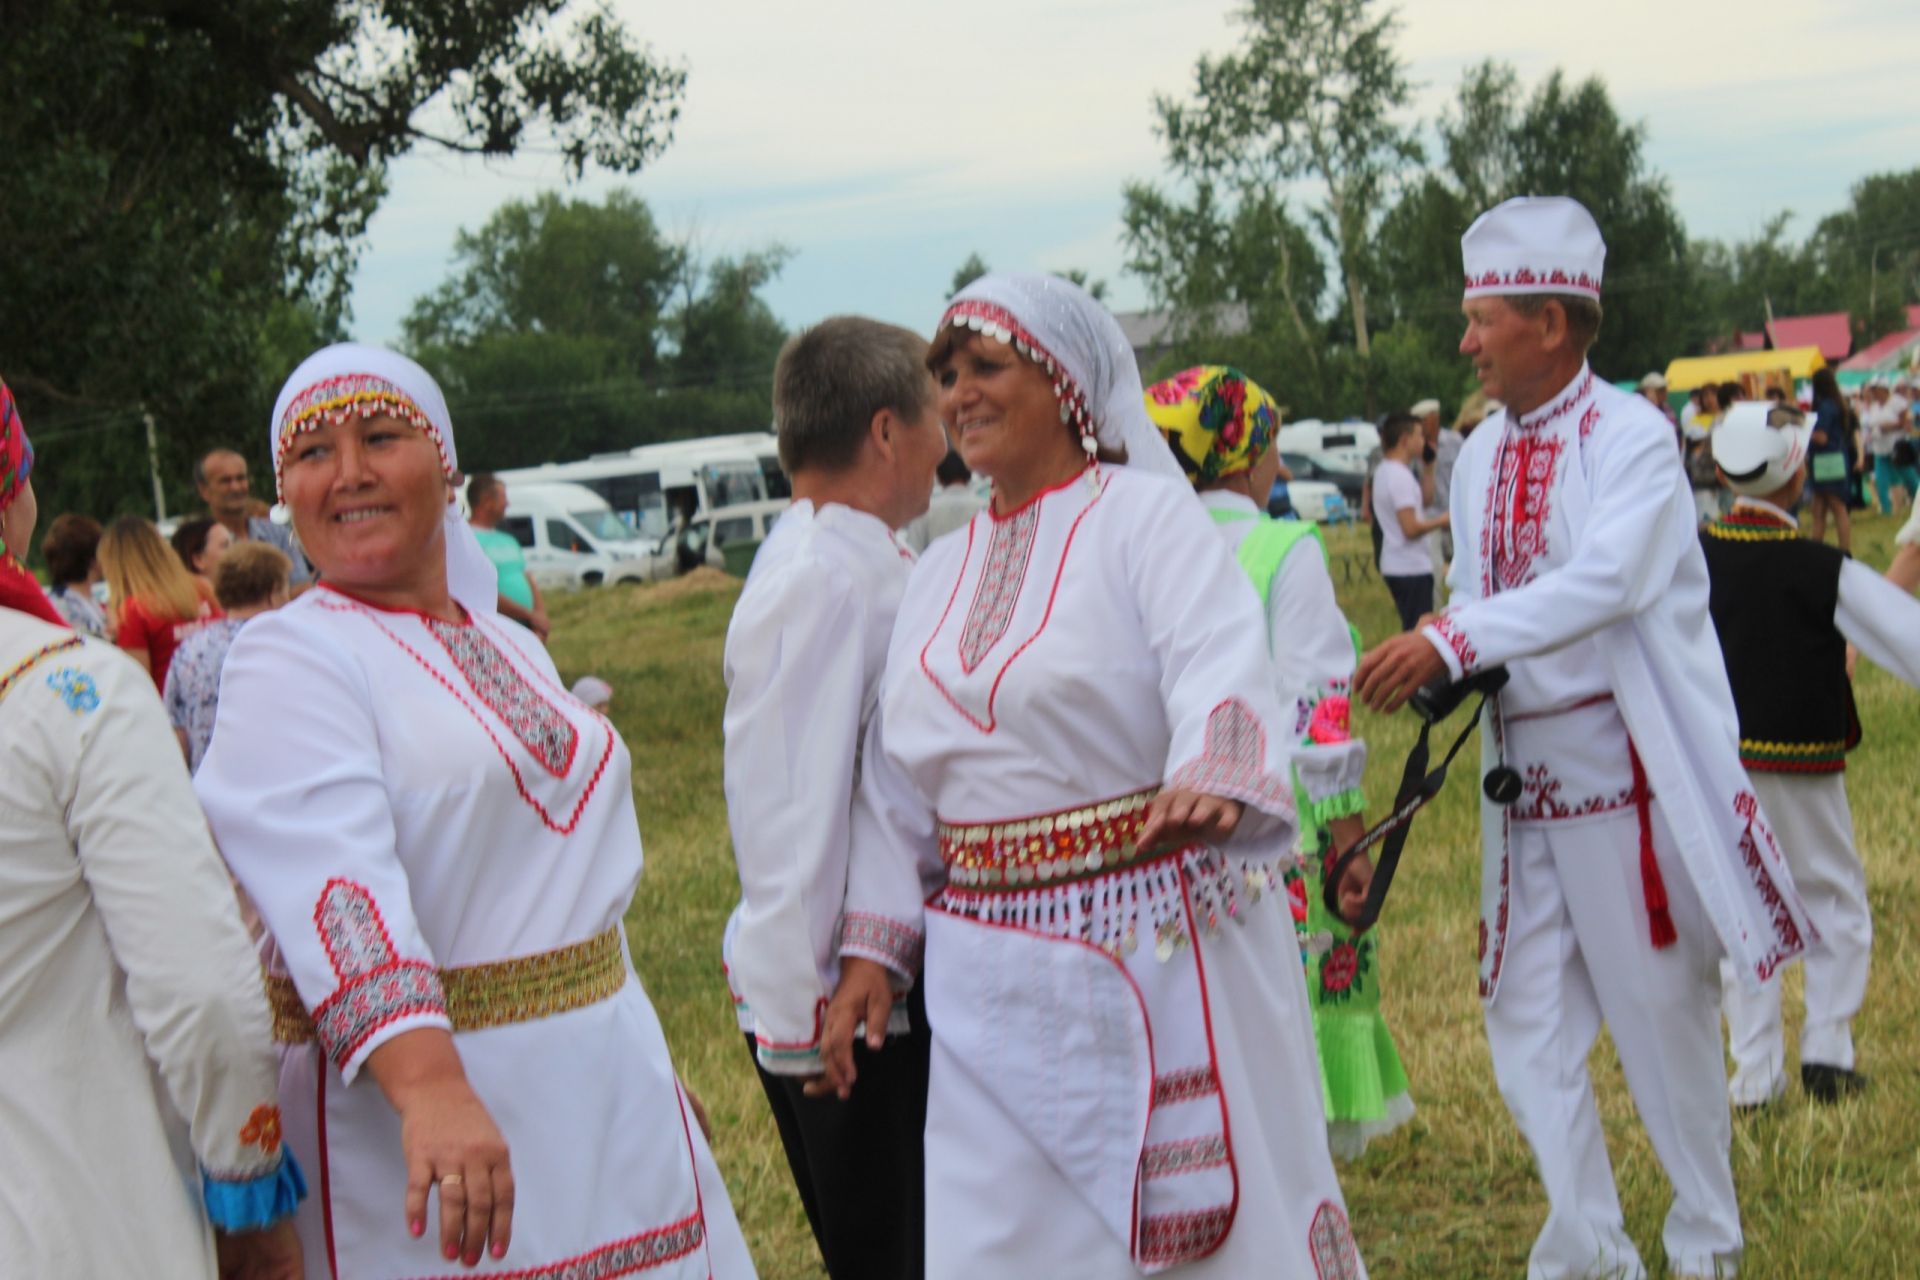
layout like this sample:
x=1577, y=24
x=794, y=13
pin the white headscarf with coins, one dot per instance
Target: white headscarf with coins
x=1058, y=325
x=351, y=380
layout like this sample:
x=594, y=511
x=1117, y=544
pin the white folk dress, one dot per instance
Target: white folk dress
x=400, y=795
x=804, y=655
x=1123, y=1076
x=134, y=1036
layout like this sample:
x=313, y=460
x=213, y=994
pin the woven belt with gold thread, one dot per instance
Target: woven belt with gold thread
x=1053, y=848
x=491, y=995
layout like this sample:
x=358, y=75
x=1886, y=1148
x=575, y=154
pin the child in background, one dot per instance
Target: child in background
x=251, y=579
x=1785, y=608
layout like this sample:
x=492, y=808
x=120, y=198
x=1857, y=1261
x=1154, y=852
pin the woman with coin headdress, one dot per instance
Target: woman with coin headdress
x=441, y=842
x=1079, y=766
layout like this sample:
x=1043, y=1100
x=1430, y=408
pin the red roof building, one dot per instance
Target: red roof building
x=1831, y=332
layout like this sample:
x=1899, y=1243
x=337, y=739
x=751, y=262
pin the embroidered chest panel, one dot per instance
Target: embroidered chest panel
x=1515, y=534
x=1008, y=552
x=537, y=723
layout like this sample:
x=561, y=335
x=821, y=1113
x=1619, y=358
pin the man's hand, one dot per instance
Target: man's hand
x=1390, y=674
x=1180, y=816
x=540, y=624
x=865, y=995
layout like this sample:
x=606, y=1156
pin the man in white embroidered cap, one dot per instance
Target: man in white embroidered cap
x=1634, y=837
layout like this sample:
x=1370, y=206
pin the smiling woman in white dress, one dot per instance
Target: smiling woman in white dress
x=1079, y=756
x=442, y=843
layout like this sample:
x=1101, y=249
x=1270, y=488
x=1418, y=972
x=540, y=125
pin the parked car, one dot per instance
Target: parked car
x=1333, y=452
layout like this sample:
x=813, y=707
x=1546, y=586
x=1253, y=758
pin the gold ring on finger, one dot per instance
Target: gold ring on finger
x=451, y=1180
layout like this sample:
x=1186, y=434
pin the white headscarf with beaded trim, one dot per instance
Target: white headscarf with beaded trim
x=1058, y=325
x=350, y=380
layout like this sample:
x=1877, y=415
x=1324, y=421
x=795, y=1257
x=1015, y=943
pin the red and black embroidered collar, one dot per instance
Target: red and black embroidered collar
x=1560, y=405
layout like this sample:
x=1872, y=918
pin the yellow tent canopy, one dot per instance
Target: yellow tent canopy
x=1696, y=371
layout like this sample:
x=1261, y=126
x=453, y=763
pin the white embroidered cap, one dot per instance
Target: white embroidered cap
x=1424, y=407
x=1760, y=446
x=1652, y=380
x=1534, y=244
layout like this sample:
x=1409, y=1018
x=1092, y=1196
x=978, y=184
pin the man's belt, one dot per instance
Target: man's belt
x=522, y=989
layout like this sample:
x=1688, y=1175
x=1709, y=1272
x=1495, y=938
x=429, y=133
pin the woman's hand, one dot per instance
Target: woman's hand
x=1180, y=816
x=271, y=1253
x=448, y=1141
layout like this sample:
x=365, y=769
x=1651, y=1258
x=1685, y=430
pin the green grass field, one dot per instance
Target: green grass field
x=1824, y=1191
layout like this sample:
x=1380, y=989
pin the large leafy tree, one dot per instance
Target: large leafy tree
x=1562, y=139
x=1314, y=93
x=567, y=328
x=190, y=180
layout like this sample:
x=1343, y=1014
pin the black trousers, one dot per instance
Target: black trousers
x=1412, y=596
x=858, y=1164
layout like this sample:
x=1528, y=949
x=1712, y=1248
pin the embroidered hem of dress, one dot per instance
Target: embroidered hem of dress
x=643, y=1252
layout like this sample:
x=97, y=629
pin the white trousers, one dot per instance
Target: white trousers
x=1814, y=825
x=1579, y=952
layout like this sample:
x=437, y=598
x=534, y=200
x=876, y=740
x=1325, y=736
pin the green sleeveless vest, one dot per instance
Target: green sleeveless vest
x=1265, y=547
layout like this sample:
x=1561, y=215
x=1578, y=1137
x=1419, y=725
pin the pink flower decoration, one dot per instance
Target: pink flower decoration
x=1331, y=721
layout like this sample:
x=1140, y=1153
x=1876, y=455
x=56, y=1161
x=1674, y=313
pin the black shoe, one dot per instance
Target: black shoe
x=1825, y=1083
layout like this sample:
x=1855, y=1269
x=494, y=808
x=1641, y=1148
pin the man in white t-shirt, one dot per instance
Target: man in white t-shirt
x=1397, y=512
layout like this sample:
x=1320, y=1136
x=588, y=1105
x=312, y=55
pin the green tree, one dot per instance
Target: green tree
x=1239, y=280
x=1561, y=139
x=1314, y=93
x=1871, y=250
x=967, y=272
x=600, y=276
x=186, y=171
x=568, y=328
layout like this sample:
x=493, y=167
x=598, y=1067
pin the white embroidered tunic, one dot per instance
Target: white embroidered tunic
x=1072, y=655
x=400, y=795
x=803, y=659
x=1577, y=567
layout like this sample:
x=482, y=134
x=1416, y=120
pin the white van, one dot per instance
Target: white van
x=658, y=489
x=572, y=538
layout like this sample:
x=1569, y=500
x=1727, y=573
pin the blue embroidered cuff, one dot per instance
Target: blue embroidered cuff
x=248, y=1204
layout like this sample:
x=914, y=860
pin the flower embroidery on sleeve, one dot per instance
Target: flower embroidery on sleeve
x=76, y=689
x=262, y=1129
x=1331, y=721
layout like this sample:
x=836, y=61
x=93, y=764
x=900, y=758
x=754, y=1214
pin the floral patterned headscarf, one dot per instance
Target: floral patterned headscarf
x=1217, y=421
x=16, y=453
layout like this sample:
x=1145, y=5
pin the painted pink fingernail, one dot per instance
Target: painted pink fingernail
x=418, y=1227
x=499, y=1250
x=451, y=1251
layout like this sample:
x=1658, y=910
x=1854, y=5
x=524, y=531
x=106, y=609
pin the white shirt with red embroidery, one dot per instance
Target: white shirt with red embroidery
x=1577, y=566
x=803, y=659
x=401, y=795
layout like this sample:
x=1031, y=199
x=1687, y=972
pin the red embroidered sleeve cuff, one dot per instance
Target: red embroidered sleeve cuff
x=884, y=941
x=1445, y=634
x=1233, y=762
x=371, y=1008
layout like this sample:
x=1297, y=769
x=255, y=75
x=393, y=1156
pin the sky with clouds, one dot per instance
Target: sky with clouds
x=884, y=140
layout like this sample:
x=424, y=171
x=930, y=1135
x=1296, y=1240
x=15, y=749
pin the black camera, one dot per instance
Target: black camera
x=1436, y=701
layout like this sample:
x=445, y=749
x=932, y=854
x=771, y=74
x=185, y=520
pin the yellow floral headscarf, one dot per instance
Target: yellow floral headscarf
x=1217, y=420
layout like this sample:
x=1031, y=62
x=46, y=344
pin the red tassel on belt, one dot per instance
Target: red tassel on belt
x=1652, y=886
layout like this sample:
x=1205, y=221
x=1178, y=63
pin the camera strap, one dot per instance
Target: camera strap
x=1418, y=785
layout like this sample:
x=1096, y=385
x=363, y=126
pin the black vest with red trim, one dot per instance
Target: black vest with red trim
x=1772, y=598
